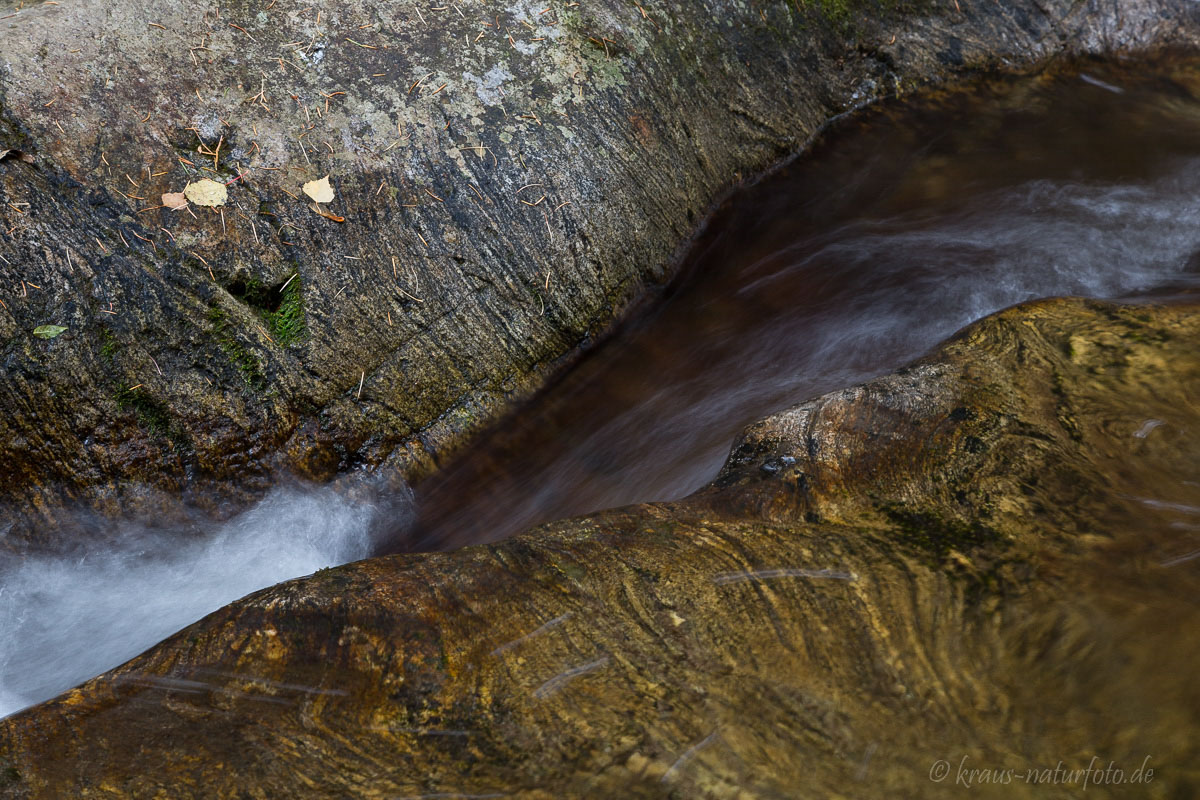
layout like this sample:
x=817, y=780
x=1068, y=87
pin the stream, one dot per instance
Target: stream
x=900, y=224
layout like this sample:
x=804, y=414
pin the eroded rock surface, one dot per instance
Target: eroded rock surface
x=989, y=555
x=507, y=179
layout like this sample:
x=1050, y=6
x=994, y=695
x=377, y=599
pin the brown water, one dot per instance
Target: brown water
x=900, y=225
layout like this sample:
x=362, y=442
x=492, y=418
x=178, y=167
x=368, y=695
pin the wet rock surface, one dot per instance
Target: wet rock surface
x=507, y=180
x=987, y=558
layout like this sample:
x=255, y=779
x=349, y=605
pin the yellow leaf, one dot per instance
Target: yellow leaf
x=205, y=192
x=174, y=200
x=320, y=190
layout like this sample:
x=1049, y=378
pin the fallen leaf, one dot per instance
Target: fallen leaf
x=176, y=201
x=48, y=331
x=205, y=192
x=320, y=190
x=317, y=209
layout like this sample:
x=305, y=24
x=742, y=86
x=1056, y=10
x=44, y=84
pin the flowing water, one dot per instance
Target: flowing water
x=66, y=617
x=900, y=225
x=897, y=227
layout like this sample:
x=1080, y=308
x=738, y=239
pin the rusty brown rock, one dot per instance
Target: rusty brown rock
x=984, y=556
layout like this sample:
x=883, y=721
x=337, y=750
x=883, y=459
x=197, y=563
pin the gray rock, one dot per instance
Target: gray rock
x=508, y=181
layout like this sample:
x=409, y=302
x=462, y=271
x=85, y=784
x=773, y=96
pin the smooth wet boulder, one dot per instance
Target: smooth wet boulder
x=505, y=179
x=986, y=561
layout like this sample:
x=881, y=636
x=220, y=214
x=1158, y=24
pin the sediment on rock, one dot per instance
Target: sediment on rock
x=508, y=181
x=973, y=560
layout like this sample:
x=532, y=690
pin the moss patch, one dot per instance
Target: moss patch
x=280, y=307
x=286, y=322
x=153, y=416
x=246, y=362
x=109, y=345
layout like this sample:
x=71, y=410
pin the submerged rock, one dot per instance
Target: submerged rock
x=506, y=181
x=985, y=561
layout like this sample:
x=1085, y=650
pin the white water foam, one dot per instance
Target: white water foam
x=66, y=618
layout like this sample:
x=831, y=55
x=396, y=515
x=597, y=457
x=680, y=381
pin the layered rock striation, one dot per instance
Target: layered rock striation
x=985, y=559
x=507, y=180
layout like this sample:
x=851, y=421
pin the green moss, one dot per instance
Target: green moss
x=152, y=415
x=109, y=346
x=246, y=362
x=281, y=308
x=286, y=322
x=835, y=10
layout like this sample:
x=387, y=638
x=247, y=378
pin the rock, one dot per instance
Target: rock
x=506, y=191
x=980, y=562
